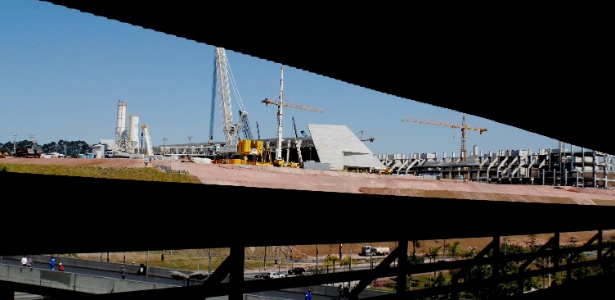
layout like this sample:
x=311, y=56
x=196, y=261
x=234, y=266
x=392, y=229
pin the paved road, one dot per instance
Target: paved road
x=151, y=279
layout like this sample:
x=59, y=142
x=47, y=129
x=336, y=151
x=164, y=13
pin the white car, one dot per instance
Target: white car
x=272, y=275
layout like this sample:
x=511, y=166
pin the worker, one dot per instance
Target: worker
x=308, y=294
x=60, y=267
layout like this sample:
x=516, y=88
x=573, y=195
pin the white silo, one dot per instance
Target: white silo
x=133, y=134
x=120, y=129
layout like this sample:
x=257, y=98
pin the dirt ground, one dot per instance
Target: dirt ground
x=347, y=182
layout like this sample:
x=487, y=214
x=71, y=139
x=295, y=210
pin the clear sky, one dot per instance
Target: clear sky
x=62, y=73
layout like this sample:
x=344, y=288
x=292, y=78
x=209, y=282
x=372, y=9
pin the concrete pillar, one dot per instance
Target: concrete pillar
x=6, y=293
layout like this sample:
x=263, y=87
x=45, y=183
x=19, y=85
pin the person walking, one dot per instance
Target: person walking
x=52, y=263
x=308, y=294
x=123, y=272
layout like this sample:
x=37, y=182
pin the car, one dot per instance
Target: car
x=270, y=275
x=296, y=271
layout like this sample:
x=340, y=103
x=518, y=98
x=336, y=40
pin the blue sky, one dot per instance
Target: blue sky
x=62, y=73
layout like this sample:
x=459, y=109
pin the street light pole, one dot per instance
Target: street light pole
x=209, y=267
x=190, y=140
x=316, y=256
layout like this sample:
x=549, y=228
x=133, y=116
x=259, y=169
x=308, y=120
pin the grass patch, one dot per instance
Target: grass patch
x=123, y=173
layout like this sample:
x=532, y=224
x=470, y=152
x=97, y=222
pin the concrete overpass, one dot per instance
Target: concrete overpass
x=64, y=285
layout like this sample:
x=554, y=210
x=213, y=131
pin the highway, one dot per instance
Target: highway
x=151, y=279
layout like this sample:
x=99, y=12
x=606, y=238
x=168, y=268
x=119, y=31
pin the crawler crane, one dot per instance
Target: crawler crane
x=463, y=128
x=223, y=80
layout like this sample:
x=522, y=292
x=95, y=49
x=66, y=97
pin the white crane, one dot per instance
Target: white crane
x=148, y=141
x=230, y=130
x=298, y=142
x=280, y=103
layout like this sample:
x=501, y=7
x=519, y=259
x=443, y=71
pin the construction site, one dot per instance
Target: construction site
x=337, y=148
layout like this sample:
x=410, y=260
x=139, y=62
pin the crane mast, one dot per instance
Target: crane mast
x=464, y=127
x=278, y=150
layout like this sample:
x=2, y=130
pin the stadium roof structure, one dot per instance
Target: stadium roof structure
x=341, y=148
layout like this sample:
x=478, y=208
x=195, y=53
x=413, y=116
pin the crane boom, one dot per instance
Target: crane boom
x=148, y=141
x=463, y=128
x=223, y=79
x=303, y=107
x=298, y=142
x=228, y=128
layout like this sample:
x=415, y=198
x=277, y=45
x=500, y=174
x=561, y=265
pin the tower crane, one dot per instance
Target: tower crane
x=463, y=128
x=280, y=103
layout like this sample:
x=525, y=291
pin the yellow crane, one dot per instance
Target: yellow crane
x=279, y=161
x=463, y=128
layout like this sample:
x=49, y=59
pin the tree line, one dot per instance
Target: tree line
x=68, y=148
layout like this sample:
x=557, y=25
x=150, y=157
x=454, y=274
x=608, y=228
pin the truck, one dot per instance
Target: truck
x=35, y=152
x=374, y=251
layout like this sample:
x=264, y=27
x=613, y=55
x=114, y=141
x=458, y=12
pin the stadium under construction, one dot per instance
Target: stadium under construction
x=336, y=148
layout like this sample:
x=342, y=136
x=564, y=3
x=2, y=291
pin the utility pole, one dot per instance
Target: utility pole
x=14, y=141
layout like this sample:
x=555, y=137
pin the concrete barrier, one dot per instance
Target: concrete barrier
x=75, y=282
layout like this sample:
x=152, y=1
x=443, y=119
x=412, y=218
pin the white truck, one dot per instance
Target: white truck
x=374, y=251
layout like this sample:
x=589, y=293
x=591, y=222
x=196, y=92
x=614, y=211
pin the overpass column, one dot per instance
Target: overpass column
x=236, y=257
x=6, y=293
x=402, y=259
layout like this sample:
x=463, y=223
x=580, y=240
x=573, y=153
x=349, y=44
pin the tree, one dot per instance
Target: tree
x=453, y=249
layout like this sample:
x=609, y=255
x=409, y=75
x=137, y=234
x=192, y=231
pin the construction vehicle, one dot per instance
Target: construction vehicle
x=374, y=251
x=32, y=152
x=463, y=128
x=279, y=161
x=385, y=171
x=234, y=150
